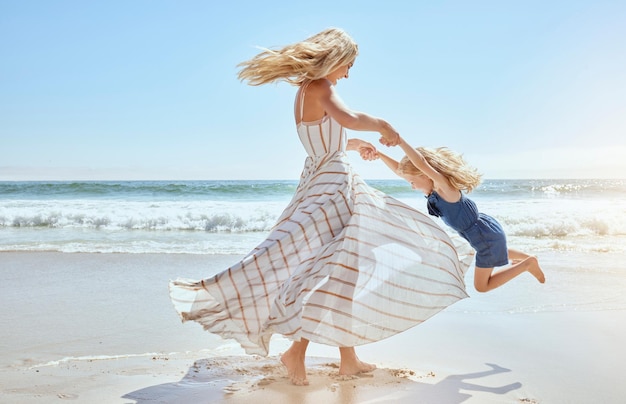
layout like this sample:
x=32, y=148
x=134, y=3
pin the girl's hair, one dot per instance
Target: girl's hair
x=311, y=59
x=452, y=165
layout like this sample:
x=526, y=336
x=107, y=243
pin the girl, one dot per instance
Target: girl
x=443, y=176
x=344, y=265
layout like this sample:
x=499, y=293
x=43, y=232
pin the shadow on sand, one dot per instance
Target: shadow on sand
x=264, y=380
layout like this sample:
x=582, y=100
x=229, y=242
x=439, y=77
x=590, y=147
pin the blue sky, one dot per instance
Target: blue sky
x=147, y=89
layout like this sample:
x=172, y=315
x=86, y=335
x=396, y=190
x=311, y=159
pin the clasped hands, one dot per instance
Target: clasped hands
x=367, y=151
x=391, y=139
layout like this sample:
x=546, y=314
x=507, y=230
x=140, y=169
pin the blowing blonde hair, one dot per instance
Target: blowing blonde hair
x=461, y=175
x=311, y=59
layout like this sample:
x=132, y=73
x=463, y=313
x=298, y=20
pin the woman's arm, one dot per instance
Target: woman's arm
x=332, y=104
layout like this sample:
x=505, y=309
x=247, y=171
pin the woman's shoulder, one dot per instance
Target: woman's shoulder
x=316, y=90
x=319, y=85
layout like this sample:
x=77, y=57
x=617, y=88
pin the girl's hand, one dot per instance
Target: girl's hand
x=367, y=151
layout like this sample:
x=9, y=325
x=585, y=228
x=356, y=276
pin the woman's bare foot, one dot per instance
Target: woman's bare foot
x=535, y=270
x=355, y=368
x=293, y=359
x=351, y=364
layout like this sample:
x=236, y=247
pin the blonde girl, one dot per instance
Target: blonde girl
x=445, y=178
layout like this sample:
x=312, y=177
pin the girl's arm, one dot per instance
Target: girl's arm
x=369, y=152
x=389, y=162
x=440, y=182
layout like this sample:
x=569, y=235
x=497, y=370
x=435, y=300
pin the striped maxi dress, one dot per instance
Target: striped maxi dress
x=345, y=264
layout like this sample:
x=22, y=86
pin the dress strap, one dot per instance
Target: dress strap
x=301, y=98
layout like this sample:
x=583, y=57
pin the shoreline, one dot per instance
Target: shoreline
x=100, y=328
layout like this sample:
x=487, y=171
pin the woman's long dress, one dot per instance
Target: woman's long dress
x=344, y=265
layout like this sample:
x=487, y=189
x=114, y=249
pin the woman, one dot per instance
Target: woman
x=344, y=265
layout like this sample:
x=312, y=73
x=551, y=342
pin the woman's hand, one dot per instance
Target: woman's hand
x=389, y=136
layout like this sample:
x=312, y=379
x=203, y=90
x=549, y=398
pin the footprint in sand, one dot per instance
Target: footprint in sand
x=67, y=396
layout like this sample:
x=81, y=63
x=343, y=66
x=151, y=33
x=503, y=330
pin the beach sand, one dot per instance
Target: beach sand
x=99, y=328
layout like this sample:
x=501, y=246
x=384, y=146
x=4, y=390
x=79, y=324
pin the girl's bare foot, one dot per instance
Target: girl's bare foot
x=293, y=360
x=535, y=270
x=351, y=364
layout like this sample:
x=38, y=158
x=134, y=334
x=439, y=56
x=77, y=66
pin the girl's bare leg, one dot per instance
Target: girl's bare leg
x=485, y=281
x=515, y=257
x=351, y=364
x=533, y=268
x=293, y=359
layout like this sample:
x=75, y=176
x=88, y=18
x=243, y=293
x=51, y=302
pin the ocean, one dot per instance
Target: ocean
x=231, y=217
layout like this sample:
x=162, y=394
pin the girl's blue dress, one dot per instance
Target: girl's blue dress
x=482, y=231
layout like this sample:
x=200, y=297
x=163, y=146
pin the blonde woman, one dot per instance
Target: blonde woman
x=339, y=267
x=443, y=175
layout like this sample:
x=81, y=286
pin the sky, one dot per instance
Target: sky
x=148, y=89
